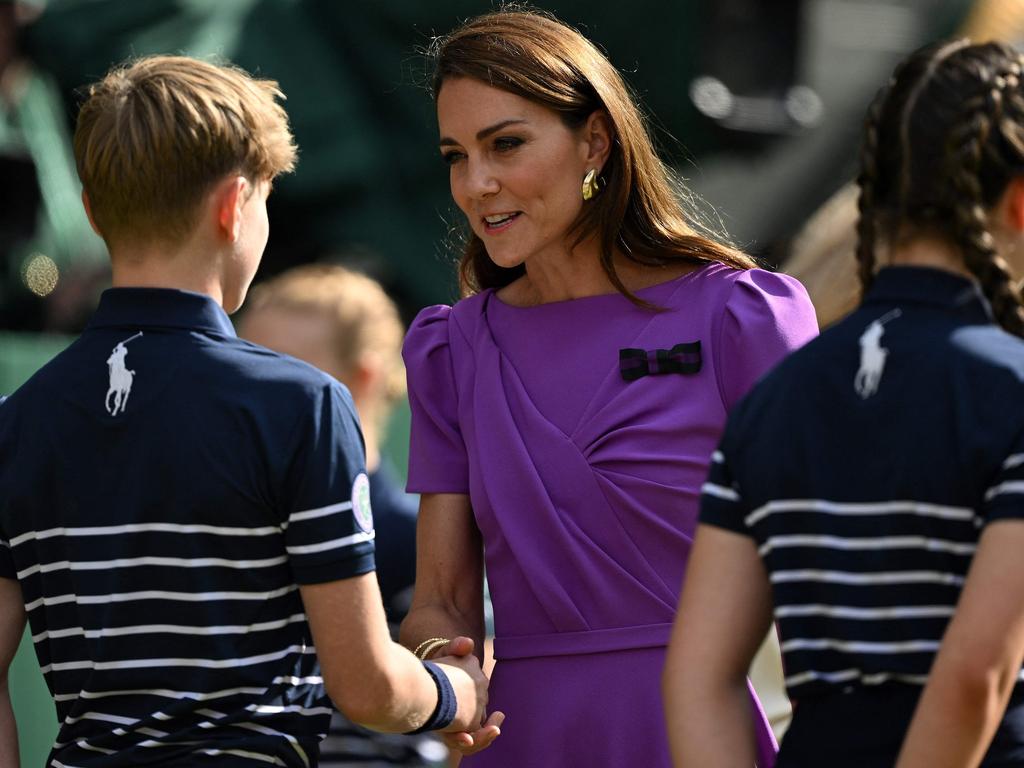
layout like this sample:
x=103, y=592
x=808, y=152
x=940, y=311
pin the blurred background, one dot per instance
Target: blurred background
x=757, y=104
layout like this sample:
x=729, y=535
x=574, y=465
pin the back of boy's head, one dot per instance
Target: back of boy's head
x=157, y=133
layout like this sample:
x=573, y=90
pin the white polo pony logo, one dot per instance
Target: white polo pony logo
x=872, y=356
x=120, y=378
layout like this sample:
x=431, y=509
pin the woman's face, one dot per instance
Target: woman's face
x=515, y=169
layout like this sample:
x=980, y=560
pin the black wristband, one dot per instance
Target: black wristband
x=444, y=712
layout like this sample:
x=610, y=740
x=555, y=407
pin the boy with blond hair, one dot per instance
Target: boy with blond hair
x=184, y=517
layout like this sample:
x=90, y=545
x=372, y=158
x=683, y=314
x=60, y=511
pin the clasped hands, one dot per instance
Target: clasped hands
x=469, y=732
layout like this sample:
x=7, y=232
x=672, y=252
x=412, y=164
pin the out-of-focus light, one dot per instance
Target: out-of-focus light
x=804, y=106
x=40, y=274
x=712, y=97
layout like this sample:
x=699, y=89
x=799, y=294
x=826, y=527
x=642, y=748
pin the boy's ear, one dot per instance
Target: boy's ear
x=88, y=213
x=229, y=199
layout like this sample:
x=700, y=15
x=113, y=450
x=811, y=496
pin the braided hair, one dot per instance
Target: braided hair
x=941, y=142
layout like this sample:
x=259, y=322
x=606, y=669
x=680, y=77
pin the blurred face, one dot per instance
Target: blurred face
x=305, y=335
x=515, y=169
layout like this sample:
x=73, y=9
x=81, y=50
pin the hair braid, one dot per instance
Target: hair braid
x=866, y=200
x=965, y=152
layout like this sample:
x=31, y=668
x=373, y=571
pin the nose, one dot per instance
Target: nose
x=481, y=180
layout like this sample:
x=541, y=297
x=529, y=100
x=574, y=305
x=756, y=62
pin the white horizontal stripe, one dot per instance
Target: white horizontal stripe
x=719, y=491
x=880, y=542
x=852, y=674
x=131, y=562
x=311, y=514
x=243, y=753
x=215, y=715
x=1009, y=487
x=108, y=530
x=157, y=594
x=718, y=457
x=4, y=543
x=267, y=709
x=171, y=629
x=921, y=508
x=180, y=662
x=1013, y=460
x=850, y=612
x=101, y=716
x=845, y=577
x=191, y=695
x=859, y=646
x=323, y=546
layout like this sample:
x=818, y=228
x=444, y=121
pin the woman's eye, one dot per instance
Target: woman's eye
x=450, y=158
x=505, y=143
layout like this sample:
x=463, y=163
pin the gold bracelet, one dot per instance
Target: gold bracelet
x=428, y=646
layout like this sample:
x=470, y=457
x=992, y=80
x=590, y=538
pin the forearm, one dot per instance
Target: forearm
x=443, y=619
x=8, y=731
x=954, y=723
x=399, y=698
x=709, y=725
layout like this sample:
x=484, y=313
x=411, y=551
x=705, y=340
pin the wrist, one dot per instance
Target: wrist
x=447, y=705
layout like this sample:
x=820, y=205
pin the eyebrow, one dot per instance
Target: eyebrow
x=483, y=133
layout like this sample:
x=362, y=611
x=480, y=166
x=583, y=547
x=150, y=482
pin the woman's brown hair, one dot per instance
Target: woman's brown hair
x=638, y=211
x=941, y=142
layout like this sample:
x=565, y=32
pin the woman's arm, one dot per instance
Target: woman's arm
x=723, y=616
x=448, y=599
x=979, y=660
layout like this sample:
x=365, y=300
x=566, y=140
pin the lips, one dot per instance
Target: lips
x=496, y=222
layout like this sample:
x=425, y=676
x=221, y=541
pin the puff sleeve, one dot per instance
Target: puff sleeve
x=767, y=316
x=437, y=452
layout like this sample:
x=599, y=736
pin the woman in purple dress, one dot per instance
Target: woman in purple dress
x=565, y=410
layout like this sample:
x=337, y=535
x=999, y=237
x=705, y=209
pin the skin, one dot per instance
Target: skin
x=708, y=715
x=12, y=609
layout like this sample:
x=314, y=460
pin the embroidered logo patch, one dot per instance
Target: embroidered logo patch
x=872, y=356
x=361, y=509
x=121, y=378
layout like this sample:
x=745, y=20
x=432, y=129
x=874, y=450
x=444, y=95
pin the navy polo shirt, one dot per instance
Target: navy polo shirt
x=865, y=466
x=164, y=488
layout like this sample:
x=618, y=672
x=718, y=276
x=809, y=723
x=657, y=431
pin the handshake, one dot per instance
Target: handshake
x=471, y=730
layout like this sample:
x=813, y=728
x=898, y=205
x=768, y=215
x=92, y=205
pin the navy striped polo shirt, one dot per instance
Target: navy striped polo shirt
x=164, y=488
x=865, y=466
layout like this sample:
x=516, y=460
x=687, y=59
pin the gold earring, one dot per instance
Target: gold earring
x=591, y=184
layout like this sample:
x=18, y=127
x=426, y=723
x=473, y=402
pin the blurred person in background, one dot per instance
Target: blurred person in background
x=344, y=323
x=869, y=493
x=564, y=412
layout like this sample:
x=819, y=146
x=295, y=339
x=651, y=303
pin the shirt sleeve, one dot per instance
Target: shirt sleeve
x=1004, y=499
x=767, y=316
x=721, y=503
x=437, y=453
x=329, y=531
x=7, y=569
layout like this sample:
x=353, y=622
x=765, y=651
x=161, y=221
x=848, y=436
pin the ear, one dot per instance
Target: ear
x=88, y=213
x=229, y=199
x=598, y=135
x=1013, y=205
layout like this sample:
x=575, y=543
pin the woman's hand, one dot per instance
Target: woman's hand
x=468, y=733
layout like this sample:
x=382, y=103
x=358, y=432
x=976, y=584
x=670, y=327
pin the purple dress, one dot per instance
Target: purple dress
x=585, y=487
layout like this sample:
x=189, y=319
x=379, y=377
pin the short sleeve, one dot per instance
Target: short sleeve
x=437, y=452
x=767, y=316
x=721, y=503
x=1004, y=499
x=329, y=531
x=7, y=569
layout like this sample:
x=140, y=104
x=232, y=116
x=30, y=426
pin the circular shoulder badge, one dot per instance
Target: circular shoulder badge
x=361, y=502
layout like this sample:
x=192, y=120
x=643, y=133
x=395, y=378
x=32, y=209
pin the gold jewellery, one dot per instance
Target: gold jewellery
x=428, y=646
x=591, y=184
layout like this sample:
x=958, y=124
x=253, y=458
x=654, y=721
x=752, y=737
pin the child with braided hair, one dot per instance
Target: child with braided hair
x=869, y=493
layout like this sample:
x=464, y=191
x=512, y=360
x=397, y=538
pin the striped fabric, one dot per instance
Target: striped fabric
x=867, y=510
x=159, y=550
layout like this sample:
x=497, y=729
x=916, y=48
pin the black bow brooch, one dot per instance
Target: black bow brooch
x=637, y=363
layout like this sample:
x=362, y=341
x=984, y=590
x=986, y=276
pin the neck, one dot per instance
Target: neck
x=370, y=422
x=929, y=251
x=188, y=268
